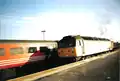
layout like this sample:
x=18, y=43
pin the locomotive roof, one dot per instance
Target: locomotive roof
x=88, y=37
x=94, y=38
x=26, y=41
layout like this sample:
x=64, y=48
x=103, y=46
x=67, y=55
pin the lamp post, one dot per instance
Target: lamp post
x=43, y=31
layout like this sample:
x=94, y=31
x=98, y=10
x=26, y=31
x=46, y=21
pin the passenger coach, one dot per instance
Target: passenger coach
x=16, y=53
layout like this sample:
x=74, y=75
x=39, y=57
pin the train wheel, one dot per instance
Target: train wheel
x=88, y=57
x=107, y=51
x=73, y=59
x=83, y=58
x=78, y=58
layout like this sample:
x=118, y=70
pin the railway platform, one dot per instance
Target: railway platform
x=104, y=67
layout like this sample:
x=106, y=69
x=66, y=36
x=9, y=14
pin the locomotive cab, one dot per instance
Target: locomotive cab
x=69, y=46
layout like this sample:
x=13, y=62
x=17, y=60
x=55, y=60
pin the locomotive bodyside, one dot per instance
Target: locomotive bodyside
x=95, y=46
x=78, y=46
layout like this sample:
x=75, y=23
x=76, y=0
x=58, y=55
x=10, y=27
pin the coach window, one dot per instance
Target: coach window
x=2, y=51
x=44, y=49
x=32, y=49
x=18, y=50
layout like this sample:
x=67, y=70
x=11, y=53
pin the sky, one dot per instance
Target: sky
x=25, y=19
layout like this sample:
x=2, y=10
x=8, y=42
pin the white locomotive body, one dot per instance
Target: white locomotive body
x=78, y=46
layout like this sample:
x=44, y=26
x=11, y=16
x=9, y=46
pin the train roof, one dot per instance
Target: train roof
x=26, y=41
x=88, y=37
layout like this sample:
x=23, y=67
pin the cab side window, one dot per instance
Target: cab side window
x=2, y=51
x=32, y=49
x=18, y=50
x=78, y=43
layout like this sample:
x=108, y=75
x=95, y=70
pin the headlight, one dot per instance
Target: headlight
x=72, y=50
